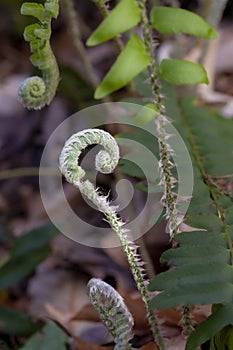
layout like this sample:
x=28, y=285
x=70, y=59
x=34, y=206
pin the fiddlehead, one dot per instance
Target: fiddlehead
x=36, y=92
x=112, y=311
x=106, y=161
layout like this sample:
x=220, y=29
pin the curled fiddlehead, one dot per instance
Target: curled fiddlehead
x=36, y=92
x=106, y=161
x=112, y=311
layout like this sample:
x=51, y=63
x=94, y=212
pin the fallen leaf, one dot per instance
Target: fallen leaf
x=87, y=313
x=150, y=346
x=83, y=345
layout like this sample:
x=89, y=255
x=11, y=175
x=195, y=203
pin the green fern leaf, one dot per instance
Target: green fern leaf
x=203, y=262
x=207, y=329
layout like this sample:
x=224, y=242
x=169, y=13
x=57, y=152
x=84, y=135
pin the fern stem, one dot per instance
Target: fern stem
x=165, y=151
x=106, y=161
x=186, y=321
x=167, y=181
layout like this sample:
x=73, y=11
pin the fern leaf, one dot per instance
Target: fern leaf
x=207, y=329
x=203, y=262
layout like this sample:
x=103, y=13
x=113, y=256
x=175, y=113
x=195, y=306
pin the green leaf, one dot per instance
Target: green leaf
x=33, y=9
x=51, y=337
x=208, y=328
x=203, y=268
x=182, y=72
x=16, y=323
x=34, y=239
x=202, y=274
x=195, y=294
x=16, y=269
x=131, y=61
x=168, y=20
x=123, y=17
x=28, y=251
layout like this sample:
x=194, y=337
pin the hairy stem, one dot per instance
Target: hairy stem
x=165, y=150
x=106, y=161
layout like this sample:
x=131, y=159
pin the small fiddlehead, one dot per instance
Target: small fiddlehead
x=112, y=311
x=36, y=92
x=106, y=161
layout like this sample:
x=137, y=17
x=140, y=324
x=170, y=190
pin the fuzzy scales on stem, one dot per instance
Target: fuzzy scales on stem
x=106, y=161
x=169, y=199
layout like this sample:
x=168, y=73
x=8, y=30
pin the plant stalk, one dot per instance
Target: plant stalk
x=165, y=164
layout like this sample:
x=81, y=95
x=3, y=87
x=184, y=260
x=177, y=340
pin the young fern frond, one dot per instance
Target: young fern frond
x=165, y=150
x=112, y=311
x=106, y=161
x=36, y=92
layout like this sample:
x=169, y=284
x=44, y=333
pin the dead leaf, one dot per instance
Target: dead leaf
x=87, y=313
x=83, y=345
x=150, y=346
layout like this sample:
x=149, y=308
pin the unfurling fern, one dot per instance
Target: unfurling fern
x=36, y=92
x=106, y=161
x=112, y=311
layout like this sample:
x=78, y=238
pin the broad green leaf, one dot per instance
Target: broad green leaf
x=33, y=240
x=193, y=273
x=33, y=9
x=182, y=72
x=131, y=61
x=168, y=20
x=16, y=269
x=51, y=337
x=208, y=328
x=123, y=17
x=194, y=294
x=28, y=251
x=16, y=323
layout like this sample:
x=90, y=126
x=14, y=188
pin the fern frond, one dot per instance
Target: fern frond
x=202, y=275
x=202, y=261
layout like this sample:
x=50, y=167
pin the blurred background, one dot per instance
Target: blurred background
x=43, y=274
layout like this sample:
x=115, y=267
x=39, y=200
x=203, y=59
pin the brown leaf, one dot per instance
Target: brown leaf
x=137, y=308
x=86, y=313
x=150, y=346
x=84, y=345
